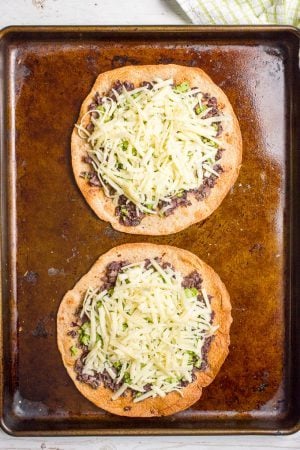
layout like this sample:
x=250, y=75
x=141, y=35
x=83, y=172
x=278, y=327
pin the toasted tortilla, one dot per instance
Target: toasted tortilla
x=184, y=262
x=182, y=217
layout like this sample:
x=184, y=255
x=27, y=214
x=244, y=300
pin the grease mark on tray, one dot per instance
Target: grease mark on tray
x=31, y=277
x=123, y=60
x=44, y=326
x=53, y=272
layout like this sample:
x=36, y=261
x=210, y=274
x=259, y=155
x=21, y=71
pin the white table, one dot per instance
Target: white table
x=117, y=12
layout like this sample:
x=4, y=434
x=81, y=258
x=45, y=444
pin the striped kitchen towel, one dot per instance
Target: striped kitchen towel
x=240, y=12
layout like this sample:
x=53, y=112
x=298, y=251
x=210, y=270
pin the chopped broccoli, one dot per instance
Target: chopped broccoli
x=200, y=109
x=198, y=364
x=192, y=356
x=171, y=380
x=84, y=333
x=127, y=378
x=124, y=145
x=86, y=327
x=191, y=292
x=84, y=339
x=124, y=212
x=183, y=87
x=117, y=365
x=149, y=320
x=73, y=350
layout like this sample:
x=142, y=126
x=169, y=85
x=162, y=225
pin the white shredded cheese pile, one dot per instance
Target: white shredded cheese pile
x=150, y=144
x=146, y=331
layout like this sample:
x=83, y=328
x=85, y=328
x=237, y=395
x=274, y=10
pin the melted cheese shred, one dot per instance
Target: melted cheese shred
x=150, y=145
x=148, y=331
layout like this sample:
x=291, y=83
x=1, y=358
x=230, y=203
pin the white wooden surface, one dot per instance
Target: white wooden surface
x=118, y=12
x=91, y=12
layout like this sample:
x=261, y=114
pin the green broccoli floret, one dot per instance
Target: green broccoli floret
x=117, y=365
x=84, y=333
x=200, y=109
x=127, y=378
x=124, y=145
x=101, y=108
x=84, y=339
x=191, y=292
x=183, y=87
x=73, y=350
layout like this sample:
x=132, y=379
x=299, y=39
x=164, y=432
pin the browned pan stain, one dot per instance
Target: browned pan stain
x=59, y=237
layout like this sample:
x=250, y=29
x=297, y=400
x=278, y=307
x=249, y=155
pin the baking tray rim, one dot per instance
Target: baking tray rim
x=133, y=29
x=147, y=28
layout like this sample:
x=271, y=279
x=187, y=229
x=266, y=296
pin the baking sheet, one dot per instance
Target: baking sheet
x=50, y=237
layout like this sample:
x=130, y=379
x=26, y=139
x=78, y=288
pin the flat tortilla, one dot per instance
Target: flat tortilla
x=182, y=217
x=184, y=262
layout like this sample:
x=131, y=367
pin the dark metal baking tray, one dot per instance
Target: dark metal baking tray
x=50, y=237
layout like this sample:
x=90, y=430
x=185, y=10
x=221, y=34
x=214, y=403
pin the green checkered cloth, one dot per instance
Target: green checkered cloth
x=242, y=12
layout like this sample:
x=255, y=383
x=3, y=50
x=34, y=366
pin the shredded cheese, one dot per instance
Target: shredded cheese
x=149, y=144
x=147, y=331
